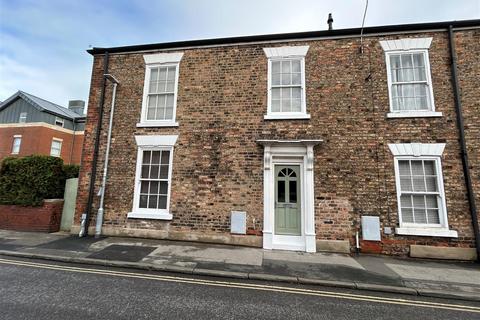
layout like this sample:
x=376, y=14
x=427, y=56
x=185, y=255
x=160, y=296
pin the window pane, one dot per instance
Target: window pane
x=156, y=157
x=165, y=157
x=286, y=78
x=292, y=185
x=407, y=61
x=286, y=67
x=404, y=167
x=433, y=216
x=275, y=93
x=420, y=215
x=431, y=182
x=171, y=73
x=275, y=105
x=162, y=202
x=276, y=79
x=153, y=187
x=296, y=105
x=418, y=60
x=406, y=201
x=162, y=76
x=163, y=187
x=169, y=113
x=418, y=201
x=406, y=183
x=143, y=201
x=407, y=215
x=276, y=67
x=145, y=171
x=170, y=100
x=395, y=61
x=419, y=74
x=296, y=66
x=154, y=74
x=170, y=86
x=417, y=167
x=296, y=93
x=431, y=201
x=146, y=157
x=296, y=79
x=144, y=187
x=281, y=191
x=154, y=171
x=164, y=172
x=429, y=167
x=418, y=183
x=152, y=202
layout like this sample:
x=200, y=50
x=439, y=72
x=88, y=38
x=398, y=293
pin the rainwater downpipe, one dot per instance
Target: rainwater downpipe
x=85, y=222
x=463, y=146
x=99, y=220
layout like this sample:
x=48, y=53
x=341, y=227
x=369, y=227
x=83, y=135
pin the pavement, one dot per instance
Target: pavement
x=428, y=278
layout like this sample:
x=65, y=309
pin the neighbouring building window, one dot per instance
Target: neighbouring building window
x=420, y=192
x=23, y=117
x=409, y=80
x=17, y=141
x=153, y=177
x=56, y=148
x=160, y=90
x=59, y=122
x=286, y=83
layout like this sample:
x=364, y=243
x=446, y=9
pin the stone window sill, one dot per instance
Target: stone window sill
x=156, y=124
x=428, y=232
x=414, y=114
x=146, y=215
x=301, y=116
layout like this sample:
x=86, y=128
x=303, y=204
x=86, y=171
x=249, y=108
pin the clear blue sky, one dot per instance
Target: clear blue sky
x=43, y=42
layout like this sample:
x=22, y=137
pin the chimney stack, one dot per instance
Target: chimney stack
x=330, y=22
x=77, y=106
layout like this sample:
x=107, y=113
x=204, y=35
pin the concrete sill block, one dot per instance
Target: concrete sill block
x=337, y=246
x=446, y=253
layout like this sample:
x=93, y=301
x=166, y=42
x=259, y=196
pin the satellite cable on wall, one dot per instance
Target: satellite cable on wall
x=363, y=23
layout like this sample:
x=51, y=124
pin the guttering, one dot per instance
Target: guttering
x=463, y=145
x=403, y=28
x=86, y=216
x=99, y=220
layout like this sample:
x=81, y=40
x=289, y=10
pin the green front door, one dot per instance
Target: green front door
x=287, y=200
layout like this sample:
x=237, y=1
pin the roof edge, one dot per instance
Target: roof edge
x=288, y=36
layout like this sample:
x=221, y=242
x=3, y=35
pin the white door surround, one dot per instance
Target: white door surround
x=289, y=152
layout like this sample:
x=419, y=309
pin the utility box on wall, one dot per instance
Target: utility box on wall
x=371, y=228
x=238, y=222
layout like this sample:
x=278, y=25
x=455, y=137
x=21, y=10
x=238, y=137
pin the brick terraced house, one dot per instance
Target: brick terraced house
x=296, y=141
x=32, y=125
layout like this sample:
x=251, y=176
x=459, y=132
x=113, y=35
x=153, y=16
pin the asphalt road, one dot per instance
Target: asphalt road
x=32, y=289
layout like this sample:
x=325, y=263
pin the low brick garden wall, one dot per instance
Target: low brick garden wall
x=44, y=218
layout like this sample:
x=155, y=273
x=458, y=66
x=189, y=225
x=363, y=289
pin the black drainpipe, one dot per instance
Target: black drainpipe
x=96, y=147
x=466, y=168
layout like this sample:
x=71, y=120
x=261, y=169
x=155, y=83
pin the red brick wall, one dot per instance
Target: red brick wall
x=38, y=140
x=45, y=218
x=217, y=165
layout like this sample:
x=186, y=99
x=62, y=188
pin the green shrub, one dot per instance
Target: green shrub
x=28, y=180
x=71, y=170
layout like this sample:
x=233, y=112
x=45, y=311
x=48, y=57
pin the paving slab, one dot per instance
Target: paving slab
x=233, y=255
x=466, y=276
x=122, y=253
x=316, y=258
x=28, y=238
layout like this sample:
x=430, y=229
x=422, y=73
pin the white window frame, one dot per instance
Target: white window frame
x=286, y=53
x=152, y=143
x=405, y=46
x=23, y=117
x=154, y=61
x=422, y=151
x=59, y=120
x=15, y=138
x=60, y=150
